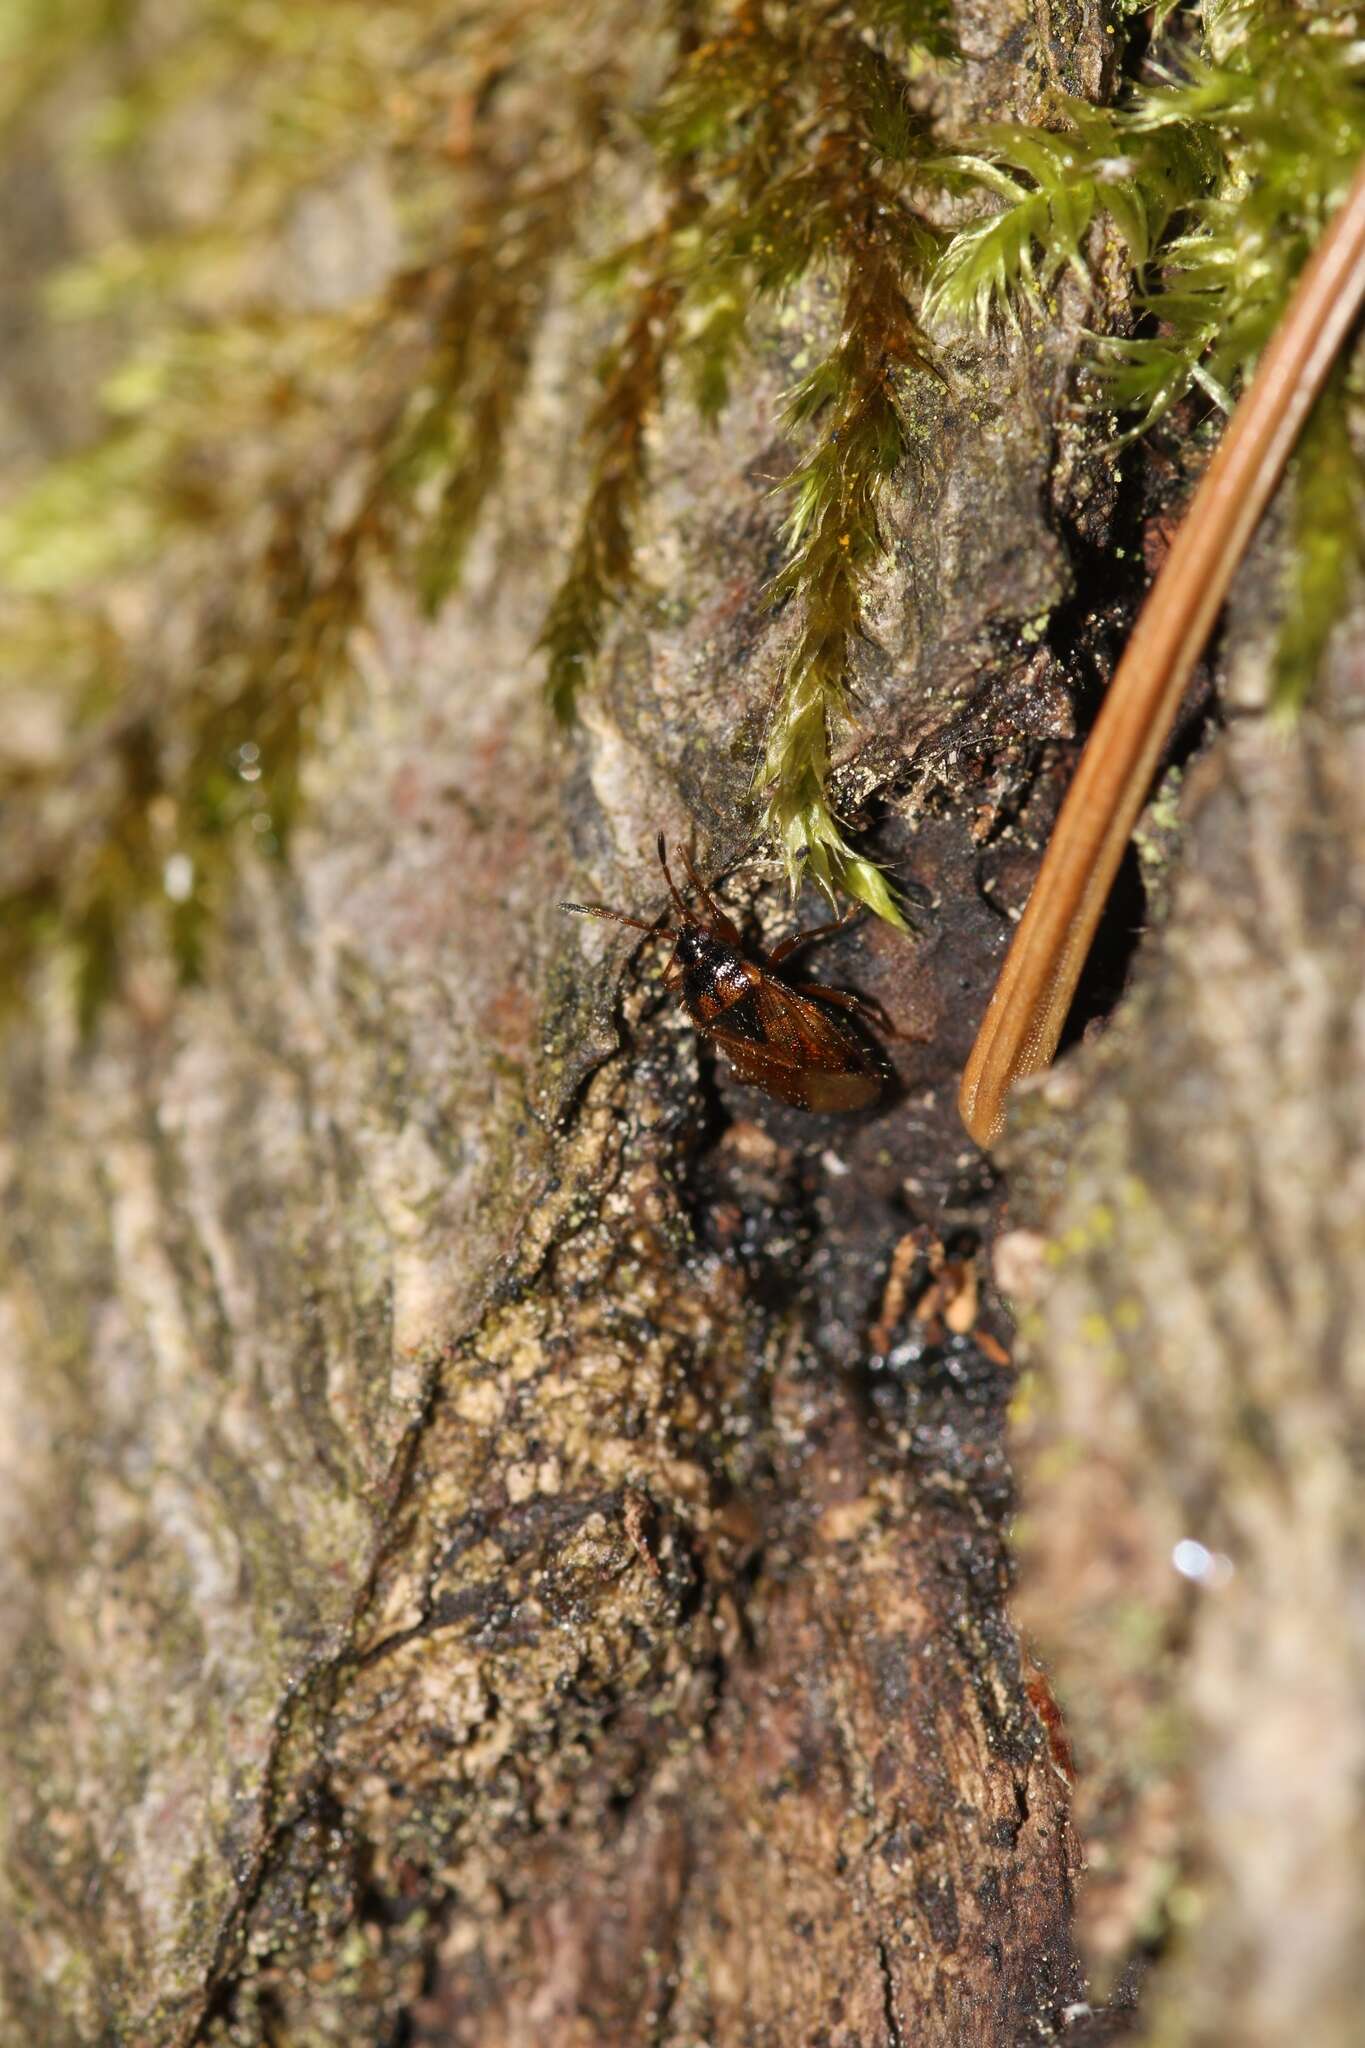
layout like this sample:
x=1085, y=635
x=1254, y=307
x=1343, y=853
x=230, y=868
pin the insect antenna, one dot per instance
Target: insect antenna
x=705, y=894
x=722, y=927
x=655, y=930
x=686, y=915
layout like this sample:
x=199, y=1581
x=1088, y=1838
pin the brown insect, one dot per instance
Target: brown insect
x=787, y=1040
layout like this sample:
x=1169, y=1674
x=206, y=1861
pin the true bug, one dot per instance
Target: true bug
x=789, y=1041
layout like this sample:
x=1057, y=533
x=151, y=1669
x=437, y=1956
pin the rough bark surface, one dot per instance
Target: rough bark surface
x=505, y=1532
x=1199, y=1328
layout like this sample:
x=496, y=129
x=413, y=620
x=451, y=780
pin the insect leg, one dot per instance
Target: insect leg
x=865, y=1007
x=817, y=931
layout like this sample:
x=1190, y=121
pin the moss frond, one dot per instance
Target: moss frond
x=789, y=141
x=83, y=518
x=1328, y=525
x=39, y=40
x=195, y=574
x=601, y=567
x=834, y=539
x=784, y=141
x=447, y=452
x=1218, y=171
x=1075, y=175
x=183, y=590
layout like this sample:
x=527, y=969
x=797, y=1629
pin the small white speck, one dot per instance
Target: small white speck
x=1196, y=1561
x=834, y=1165
x=177, y=877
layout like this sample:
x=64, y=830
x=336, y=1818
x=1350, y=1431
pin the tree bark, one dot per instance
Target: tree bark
x=1199, y=1334
x=507, y=1533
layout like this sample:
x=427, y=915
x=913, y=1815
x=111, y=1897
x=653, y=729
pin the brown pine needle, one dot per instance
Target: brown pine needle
x=1019, y=1033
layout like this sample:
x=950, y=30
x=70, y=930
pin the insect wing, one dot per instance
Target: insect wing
x=804, y=1087
x=750, y=1064
x=804, y=1031
x=795, y=1050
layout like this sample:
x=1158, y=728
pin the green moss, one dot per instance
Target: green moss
x=1218, y=173
x=1327, y=557
x=600, y=568
x=262, y=460
x=184, y=589
x=789, y=142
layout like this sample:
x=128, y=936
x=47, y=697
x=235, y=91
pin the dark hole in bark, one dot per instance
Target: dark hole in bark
x=1125, y=915
x=1107, y=968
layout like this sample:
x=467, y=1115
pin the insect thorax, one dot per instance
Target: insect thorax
x=714, y=975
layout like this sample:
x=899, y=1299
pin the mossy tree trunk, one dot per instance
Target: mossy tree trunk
x=508, y=1533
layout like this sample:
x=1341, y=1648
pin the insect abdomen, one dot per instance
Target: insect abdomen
x=837, y=1092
